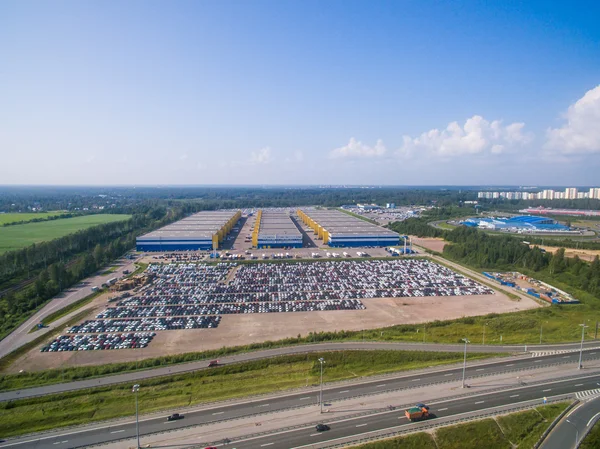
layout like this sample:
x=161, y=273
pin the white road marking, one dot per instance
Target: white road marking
x=266, y=444
x=592, y=419
x=218, y=413
x=549, y=389
x=479, y=402
x=345, y=391
x=118, y=431
x=304, y=399
x=361, y=425
x=442, y=409
x=515, y=396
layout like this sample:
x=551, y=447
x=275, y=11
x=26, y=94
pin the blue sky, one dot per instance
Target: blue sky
x=276, y=92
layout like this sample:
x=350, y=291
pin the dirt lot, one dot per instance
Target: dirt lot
x=584, y=254
x=250, y=328
x=432, y=243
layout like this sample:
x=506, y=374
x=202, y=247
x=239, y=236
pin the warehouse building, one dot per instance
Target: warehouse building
x=338, y=229
x=204, y=230
x=275, y=229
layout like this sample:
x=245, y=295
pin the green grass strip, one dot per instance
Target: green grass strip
x=227, y=382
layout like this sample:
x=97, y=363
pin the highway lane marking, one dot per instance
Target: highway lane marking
x=361, y=425
x=218, y=413
x=549, y=389
x=515, y=396
x=118, y=431
x=479, y=402
x=442, y=409
x=304, y=399
x=345, y=391
x=592, y=419
x=266, y=444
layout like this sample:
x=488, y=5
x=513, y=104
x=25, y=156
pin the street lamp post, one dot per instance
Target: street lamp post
x=321, y=361
x=135, y=390
x=576, y=432
x=483, y=340
x=583, y=326
x=465, y=361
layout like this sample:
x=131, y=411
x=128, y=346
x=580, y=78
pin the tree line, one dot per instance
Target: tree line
x=58, y=264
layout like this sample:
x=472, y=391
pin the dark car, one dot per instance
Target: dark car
x=322, y=427
x=175, y=417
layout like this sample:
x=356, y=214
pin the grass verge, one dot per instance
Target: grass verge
x=592, y=439
x=231, y=381
x=68, y=309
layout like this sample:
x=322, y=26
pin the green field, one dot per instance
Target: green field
x=20, y=236
x=26, y=216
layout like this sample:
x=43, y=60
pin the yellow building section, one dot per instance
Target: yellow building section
x=225, y=229
x=256, y=228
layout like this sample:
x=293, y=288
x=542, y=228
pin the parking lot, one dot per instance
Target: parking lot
x=188, y=296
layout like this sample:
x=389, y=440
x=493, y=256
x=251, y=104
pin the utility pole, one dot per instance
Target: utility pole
x=583, y=326
x=135, y=390
x=322, y=361
x=465, y=362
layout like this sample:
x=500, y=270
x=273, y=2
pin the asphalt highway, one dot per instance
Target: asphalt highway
x=386, y=420
x=580, y=419
x=102, y=434
x=137, y=377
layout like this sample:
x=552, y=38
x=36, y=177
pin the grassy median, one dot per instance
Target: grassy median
x=231, y=381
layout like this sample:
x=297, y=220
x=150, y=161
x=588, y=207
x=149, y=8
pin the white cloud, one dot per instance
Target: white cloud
x=356, y=149
x=262, y=156
x=476, y=136
x=581, y=133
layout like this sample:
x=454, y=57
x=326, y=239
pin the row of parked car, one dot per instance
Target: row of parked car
x=99, y=342
x=227, y=309
x=145, y=325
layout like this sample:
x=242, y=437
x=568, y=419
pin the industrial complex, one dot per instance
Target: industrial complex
x=338, y=229
x=519, y=224
x=275, y=229
x=201, y=231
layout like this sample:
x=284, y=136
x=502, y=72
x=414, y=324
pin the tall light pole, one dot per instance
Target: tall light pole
x=483, y=340
x=576, y=432
x=465, y=361
x=135, y=390
x=583, y=326
x=321, y=361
